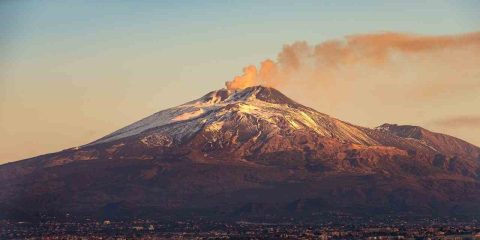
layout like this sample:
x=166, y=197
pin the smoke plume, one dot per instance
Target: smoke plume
x=305, y=64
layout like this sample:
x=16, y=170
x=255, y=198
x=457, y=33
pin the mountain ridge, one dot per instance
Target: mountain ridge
x=441, y=142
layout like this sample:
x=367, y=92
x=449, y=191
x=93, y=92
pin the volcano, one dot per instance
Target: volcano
x=250, y=153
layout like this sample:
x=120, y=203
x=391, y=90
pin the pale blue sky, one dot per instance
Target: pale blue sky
x=179, y=34
x=80, y=69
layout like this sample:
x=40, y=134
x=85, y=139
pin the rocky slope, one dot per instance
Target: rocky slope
x=248, y=153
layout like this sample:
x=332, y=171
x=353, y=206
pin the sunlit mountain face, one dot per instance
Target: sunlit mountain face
x=248, y=153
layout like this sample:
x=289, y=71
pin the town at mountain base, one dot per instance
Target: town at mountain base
x=250, y=153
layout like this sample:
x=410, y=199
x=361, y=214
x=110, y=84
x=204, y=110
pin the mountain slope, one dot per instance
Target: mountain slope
x=248, y=153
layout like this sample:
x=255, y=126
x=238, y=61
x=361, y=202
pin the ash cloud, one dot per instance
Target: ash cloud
x=363, y=57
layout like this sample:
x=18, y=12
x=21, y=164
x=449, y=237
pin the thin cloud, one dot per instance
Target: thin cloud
x=459, y=122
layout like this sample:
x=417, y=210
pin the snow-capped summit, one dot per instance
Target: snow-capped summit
x=265, y=109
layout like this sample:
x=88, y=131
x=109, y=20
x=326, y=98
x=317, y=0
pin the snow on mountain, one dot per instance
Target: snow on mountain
x=211, y=111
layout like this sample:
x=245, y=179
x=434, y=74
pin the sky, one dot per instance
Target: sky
x=74, y=71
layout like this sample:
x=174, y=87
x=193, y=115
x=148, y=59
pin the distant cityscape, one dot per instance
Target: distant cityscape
x=207, y=229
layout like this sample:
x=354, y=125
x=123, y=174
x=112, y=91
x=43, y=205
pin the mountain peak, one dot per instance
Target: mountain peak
x=262, y=93
x=261, y=111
